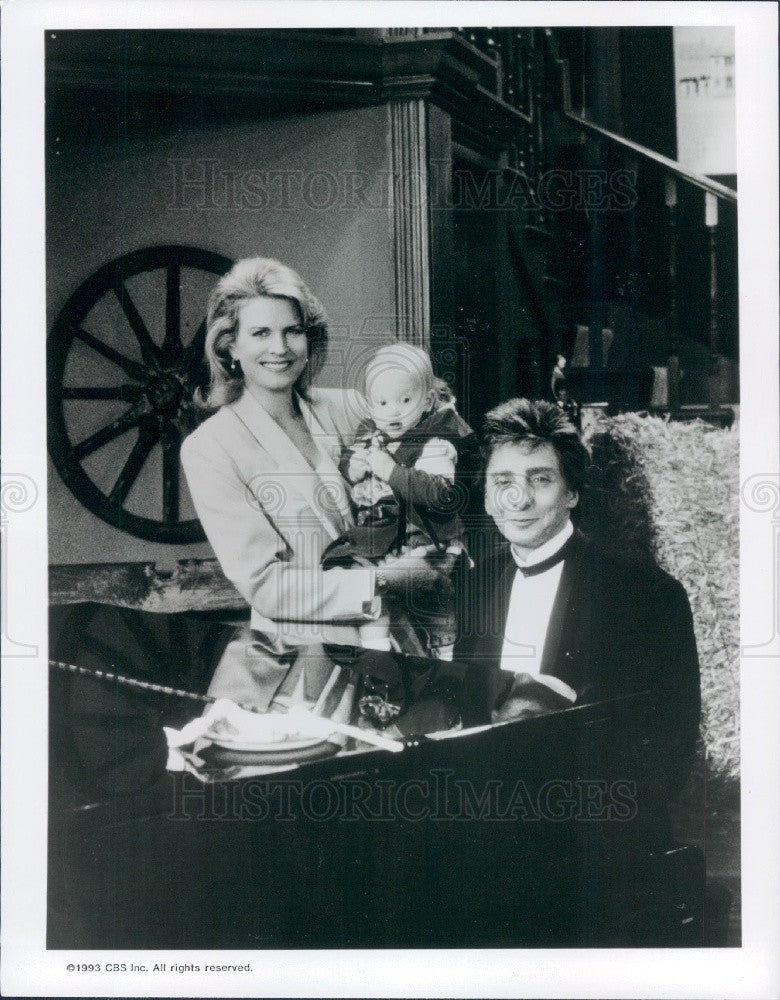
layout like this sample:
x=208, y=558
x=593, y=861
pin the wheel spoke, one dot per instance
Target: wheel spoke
x=187, y=417
x=193, y=352
x=131, y=368
x=148, y=437
x=172, y=342
x=150, y=352
x=147, y=360
x=171, y=443
x=128, y=393
x=132, y=418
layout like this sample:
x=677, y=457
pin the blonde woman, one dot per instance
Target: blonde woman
x=263, y=474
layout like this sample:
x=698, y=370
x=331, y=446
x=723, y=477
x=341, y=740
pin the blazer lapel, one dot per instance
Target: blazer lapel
x=295, y=473
x=323, y=428
x=485, y=683
x=325, y=435
x=557, y=658
x=501, y=679
x=502, y=594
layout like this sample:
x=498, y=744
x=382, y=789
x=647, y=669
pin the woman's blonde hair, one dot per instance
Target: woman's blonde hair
x=417, y=362
x=248, y=279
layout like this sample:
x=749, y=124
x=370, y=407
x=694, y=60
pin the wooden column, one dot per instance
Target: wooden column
x=673, y=365
x=410, y=220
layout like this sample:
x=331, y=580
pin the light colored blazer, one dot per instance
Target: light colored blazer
x=269, y=517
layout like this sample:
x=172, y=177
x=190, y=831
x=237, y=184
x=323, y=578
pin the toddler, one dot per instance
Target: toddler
x=403, y=466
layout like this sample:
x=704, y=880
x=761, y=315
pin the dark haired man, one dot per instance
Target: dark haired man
x=548, y=620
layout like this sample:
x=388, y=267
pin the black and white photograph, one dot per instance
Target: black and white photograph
x=398, y=411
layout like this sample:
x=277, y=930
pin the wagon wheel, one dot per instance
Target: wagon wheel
x=125, y=356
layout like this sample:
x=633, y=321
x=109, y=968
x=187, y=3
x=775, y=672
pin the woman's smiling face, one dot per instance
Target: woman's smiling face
x=270, y=343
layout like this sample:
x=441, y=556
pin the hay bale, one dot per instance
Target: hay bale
x=670, y=491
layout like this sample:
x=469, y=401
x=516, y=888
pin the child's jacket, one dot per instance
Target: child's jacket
x=426, y=492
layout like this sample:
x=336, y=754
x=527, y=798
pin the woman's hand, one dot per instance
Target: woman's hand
x=358, y=467
x=381, y=463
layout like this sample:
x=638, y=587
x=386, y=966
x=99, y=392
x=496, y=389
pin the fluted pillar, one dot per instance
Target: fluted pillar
x=410, y=220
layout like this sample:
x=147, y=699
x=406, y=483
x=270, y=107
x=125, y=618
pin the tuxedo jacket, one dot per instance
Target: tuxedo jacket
x=616, y=628
x=269, y=516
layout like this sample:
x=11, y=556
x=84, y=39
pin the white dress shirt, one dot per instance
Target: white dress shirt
x=530, y=606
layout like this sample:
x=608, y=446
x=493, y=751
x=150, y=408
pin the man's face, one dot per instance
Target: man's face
x=526, y=495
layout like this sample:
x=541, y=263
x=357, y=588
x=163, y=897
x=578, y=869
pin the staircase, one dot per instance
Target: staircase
x=627, y=259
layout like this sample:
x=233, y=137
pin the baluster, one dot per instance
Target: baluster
x=515, y=80
x=593, y=160
x=633, y=275
x=536, y=105
x=493, y=43
x=521, y=100
x=711, y=221
x=673, y=367
x=403, y=32
x=504, y=53
x=531, y=157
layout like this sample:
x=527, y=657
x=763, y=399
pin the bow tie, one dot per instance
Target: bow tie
x=541, y=567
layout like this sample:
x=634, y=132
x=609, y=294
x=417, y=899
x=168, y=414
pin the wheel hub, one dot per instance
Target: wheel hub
x=153, y=377
x=164, y=393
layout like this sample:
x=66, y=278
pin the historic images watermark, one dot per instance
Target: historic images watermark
x=18, y=494
x=211, y=184
x=436, y=795
x=761, y=494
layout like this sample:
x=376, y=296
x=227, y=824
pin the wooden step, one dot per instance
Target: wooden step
x=721, y=416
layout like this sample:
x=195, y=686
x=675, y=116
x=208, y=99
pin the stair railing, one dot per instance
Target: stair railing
x=716, y=196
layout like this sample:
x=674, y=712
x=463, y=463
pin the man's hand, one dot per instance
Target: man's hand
x=529, y=697
x=381, y=463
x=416, y=571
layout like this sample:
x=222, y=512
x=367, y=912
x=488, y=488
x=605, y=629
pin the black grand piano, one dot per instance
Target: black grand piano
x=543, y=832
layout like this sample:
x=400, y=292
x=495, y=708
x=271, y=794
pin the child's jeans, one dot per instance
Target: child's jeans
x=430, y=614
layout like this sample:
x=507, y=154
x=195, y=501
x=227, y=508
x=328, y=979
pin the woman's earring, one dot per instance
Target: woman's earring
x=234, y=368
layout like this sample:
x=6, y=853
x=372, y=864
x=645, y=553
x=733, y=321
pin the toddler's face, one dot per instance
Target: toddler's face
x=396, y=399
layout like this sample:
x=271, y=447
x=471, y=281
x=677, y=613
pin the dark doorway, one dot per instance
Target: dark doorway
x=476, y=267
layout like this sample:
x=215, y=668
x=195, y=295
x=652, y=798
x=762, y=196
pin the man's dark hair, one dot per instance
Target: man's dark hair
x=536, y=422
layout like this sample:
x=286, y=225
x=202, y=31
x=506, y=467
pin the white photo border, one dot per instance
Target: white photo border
x=27, y=968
